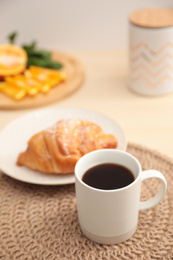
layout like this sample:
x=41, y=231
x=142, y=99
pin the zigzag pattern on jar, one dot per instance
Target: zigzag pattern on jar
x=151, y=66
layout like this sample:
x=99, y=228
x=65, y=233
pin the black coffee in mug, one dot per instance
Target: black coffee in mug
x=108, y=176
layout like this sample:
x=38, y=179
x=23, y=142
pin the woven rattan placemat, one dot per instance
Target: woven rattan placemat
x=40, y=222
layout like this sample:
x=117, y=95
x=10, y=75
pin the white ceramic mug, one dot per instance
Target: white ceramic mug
x=111, y=216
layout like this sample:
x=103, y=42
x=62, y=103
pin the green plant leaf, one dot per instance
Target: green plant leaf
x=12, y=37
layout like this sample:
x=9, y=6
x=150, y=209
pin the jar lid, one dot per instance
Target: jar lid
x=152, y=18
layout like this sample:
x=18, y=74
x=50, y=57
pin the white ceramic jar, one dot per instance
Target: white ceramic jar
x=151, y=51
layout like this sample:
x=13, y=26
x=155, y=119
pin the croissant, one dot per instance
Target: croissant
x=58, y=148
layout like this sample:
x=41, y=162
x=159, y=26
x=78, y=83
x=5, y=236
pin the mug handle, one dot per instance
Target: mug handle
x=159, y=195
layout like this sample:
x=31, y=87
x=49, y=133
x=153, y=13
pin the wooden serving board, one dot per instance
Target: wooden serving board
x=75, y=77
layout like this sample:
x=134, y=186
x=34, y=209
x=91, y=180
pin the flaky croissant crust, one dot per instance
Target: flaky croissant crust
x=58, y=148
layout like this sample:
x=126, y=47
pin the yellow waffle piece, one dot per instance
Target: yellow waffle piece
x=31, y=86
x=34, y=80
x=48, y=77
x=16, y=93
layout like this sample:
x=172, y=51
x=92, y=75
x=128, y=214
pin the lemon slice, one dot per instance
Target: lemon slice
x=13, y=60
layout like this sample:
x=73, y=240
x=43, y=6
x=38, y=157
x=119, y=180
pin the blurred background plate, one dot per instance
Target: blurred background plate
x=75, y=77
x=14, y=138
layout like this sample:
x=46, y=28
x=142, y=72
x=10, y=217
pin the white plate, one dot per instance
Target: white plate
x=14, y=138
